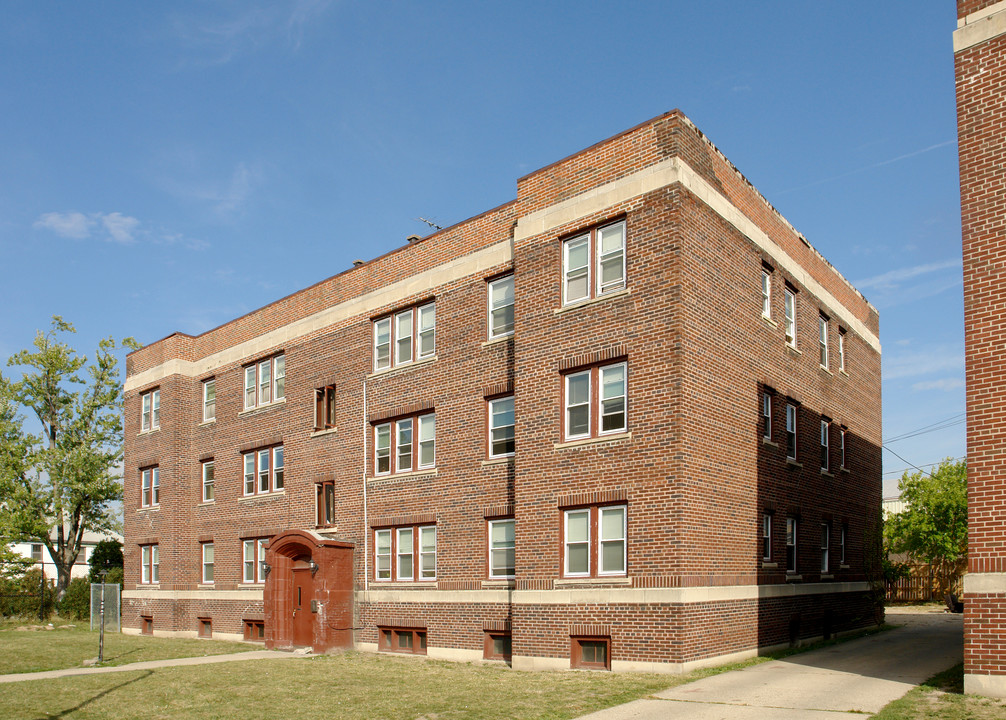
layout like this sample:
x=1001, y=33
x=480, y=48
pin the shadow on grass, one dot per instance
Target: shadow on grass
x=949, y=681
x=103, y=693
x=122, y=655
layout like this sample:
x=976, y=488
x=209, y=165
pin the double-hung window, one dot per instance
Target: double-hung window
x=325, y=503
x=766, y=415
x=790, y=308
x=594, y=540
x=150, y=410
x=150, y=487
x=791, y=545
x=766, y=294
x=595, y=401
x=841, y=349
x=265, y=382
x=791, y=431
x=253, y=560
x=414, y=440
x=593, y=263
x=263, y=471
x=825, y=542
x=150, y=564
x=209, y=400
x=825, y=441
x=822, y=340
x=501, y=307
x=405, y=553
x=766, y=536
x=501, y=427
x=501, y=548
x=841, y=445
x=207, y=484
x=207, y=564
x=405, y=336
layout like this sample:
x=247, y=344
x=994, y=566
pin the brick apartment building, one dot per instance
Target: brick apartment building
x=980, y=70
x=628, y=420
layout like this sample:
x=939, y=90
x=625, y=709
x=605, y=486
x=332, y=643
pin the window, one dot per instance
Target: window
x=150, y=415
x=766, y=415
x=501, y=427
x=791, y=431
x=790, y=307
x=263, y=471
x=766, y=293
x=149, y=564
x=209, y=400
x=590, y=653
x=766, y=536
x=825, y=432
x=822, y=331
x=841, y=349
x=205, y=627
x=265, y=382
x=841, y=546
x=207, y=563
x=253, y=560
x=404, y=336
x=324, y=408
x=150, y=487
x=411, y=453
x=325, y=500
x=254, y=630
x=501, y=548
x=498, y=646
x=791, y=545
x=146, y=624
x=413, y=549
x=501, y=307
x=402, y=640
x=36, y=553
x=589, y=413
x=825, y=537
x=841, y=444
x=208, y=481
x=605, y=246
x=586, y=557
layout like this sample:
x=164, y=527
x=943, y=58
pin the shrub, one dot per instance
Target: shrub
x=20, y=597
x=76, y=603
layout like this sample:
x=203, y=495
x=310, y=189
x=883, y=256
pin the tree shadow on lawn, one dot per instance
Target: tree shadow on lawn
x=145, y=674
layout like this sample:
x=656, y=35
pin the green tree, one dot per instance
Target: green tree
x=60, y=481
x=107, y=554
x=933, y=528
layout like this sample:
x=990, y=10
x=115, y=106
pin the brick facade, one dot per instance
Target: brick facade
x=672, y=473
x=980, y=65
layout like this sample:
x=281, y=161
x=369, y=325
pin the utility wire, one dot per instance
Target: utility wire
x=928, y=465
x=938, y=425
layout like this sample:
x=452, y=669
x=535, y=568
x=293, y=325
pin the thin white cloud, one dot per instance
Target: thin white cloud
x=72, y=224
x=226, y=197
x=110, y=227
x=893, y=279
x=121, y=228
x=945, y=384
x=928, y=360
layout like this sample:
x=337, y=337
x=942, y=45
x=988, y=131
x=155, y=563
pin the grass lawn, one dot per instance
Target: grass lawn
x=33, y=651
x=941, y=698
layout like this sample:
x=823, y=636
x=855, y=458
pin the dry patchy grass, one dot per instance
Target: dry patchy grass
x=941, y=698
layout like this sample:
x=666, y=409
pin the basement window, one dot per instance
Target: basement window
x=402, y=640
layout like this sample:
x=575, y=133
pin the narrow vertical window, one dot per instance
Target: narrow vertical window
x=578, y=405
x=766, y=415
x=382, y=554
x=249, y=387
x=427, y=330
x=841, y=349
x=155, y=412
x=208, y=481
x=404, y=553
x=611, y=258
x=576, y=269
x=145, y=488
x=248, y=560
x=790, y=308
x=403, y=337
x=209, y=400
x=791, y=432
x=207, y=563
x=145, y=412
x=791, y=545
x=577, y=542
x=249, y=474
x=427, y=440
x=324, y=408
x=145, y=564
x=825, y=433
x=766, y=536
x=501, y=548
x=155, y=564
x=279, y=378
x=382, y=344
x=155, y=486
x=403, y=446
x=841, y=440
x=265, y=382
x=277, y=468
x=844, y=532
x=263, y=471
x=501, y=427
x=260, y=547
x=382, y=449
x=612, y=398
x=825, y=540
x=766, y=294
x=428, y=553
x=822, y=327
x=612, y=541
x=501, y=303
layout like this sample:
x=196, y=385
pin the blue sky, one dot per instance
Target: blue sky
x=168, y=166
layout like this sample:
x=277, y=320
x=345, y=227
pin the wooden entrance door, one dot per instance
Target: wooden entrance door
x=303, y=618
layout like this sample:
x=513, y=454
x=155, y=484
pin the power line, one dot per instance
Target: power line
x=927, y=465
x=951, y=421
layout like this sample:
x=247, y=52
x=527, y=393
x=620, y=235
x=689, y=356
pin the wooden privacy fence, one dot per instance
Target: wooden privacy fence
x=948, y=577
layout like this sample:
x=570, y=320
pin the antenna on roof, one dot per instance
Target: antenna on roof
x=430, y=223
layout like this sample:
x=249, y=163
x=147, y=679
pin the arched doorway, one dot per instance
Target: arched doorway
x=308, y=592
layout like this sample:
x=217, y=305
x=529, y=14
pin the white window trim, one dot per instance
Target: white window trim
x=825, y=547
x=601, y=540
x=825, y=445
x=566, y=542
x=596, y=241
x=421, y=554
x=423, y=421
x=389, y=449
x=766, y=413
x=822, y=324
x=841, y=436
x=416, y=354
x=790, y=315
x=150, y=485
x=792, y=528
x=593, y=266
x=566, y=300
x=766, y=294
x=791, y=428
x=204, y=564
x=491, y=427
x=207, y=384
x=150, y=410
x=271, y=454
x=277, y=373
x=492, y=571
x=394, y=535
x=489, y=305
x=257, y=547
x=395, y=427
x=208, y=465
x=566, y=402
x=400, y=427
x=841, y=350
x=766, y=534
x=625, y=399
x=390, y=555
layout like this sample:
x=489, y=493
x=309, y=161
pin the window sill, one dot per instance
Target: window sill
x=792, y=349
x=148, y=586
x=497, y=340
x=827, y=576
x=770, y=443
x=822, y=368
x=151, y=508
x=251, y=586
x=592, y=441
x=842, y=371
x=326, y=431
x=406, y=584
x=507, y=460
x=498, y=584
x=206, y=503
x=845, y=470
x=793, y=577
x=395, y=368
x=826, y=473
x=843, y=567
x=263, y=496
x=262, y=408
x=590, y=301
x=793, y=463
x=769, y=322
x=378, y=479
x=601, y=580
x=151, y=431
x=769, y=565
x=206, y=423
x=205, y=586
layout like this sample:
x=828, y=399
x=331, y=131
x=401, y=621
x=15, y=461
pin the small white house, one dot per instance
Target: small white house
x=40, y=554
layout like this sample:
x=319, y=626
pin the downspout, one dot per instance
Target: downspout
x=366, y=534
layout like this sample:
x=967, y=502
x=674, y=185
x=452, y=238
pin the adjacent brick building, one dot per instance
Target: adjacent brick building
x=630, y=419
x=980, y=65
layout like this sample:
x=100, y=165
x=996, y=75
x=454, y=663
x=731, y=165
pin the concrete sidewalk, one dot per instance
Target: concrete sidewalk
x=859, y=676
x=152, y=664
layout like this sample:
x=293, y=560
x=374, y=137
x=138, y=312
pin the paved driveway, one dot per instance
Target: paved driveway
x=859, y=676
